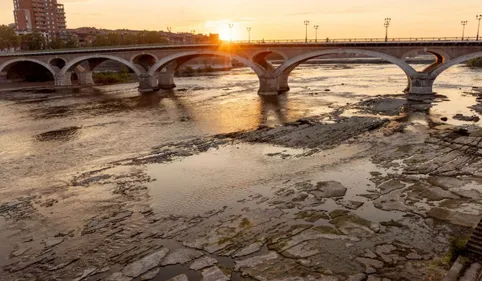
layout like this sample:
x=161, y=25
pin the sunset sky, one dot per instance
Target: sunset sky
x=274, y=19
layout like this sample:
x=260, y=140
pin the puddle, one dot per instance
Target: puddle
x=220, y=178
x=217, y=178
x=168, y=272
x=355, y=176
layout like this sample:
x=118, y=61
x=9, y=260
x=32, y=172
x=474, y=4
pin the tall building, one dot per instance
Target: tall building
x=45, y=16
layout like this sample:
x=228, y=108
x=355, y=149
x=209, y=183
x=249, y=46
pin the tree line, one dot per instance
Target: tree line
x=122, y=38
x=33, y=41
x=36, y=41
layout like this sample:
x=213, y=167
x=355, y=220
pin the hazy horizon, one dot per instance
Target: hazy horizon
x=271, y=19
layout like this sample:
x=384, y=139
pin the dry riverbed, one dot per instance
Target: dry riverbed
x=333, y=197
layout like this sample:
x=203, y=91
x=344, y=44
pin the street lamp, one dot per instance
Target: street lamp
x=479, y=18
x=231, y=32
x=316, y=32
x=387, y=25
x=307, y=22
x=249, y=34
x=193, y=36
x=464, y=23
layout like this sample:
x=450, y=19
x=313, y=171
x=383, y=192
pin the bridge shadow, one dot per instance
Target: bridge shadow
x=417, y=109
x=168, y=101
x=273, y=110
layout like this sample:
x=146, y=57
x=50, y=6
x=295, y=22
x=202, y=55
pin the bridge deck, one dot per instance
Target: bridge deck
x=434, y=43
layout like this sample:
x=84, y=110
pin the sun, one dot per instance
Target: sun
x=226, y=33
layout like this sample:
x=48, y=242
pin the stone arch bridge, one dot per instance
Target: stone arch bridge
x=155, y=65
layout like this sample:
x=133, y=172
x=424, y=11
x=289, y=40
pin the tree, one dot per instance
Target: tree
x=33, y=41
x=8, y=38
x=71, y=42
x=56, y=43
x=150, y=37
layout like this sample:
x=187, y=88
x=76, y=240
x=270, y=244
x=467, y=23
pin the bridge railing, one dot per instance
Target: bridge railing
x=363, y=40
x=281, y=41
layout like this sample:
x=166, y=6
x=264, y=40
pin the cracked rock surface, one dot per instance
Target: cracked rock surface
x=355, y=198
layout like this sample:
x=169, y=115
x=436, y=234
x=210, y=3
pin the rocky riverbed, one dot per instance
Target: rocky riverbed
x=340, y=179
x=323, y=198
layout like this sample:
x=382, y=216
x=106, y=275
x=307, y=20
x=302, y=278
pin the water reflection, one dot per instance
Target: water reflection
x=273, y=110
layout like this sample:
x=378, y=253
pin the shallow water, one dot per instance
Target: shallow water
x=48, y=134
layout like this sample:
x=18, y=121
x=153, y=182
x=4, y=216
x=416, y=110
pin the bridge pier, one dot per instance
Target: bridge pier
x=147, y=83
x=63, y=81
x=85, y=78
x=269, y=86
x=421, y=85
x=166, y=80
x=3, y=77
x=283, y=83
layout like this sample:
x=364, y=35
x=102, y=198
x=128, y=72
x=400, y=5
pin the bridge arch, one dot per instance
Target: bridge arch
x=4, y=65
x=439, y=54
x=448, y=64
x=291, y=64
x=260, y=58
x=133, y=57
x=73, y=63
x=58, y=63
x=144, y=60
x=36, y=67
x=185, y=56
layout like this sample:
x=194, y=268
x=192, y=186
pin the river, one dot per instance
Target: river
x=50, y=139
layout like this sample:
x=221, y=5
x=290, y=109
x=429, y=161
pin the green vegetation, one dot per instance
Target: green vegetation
x=121, y=38
x=33, y=41
x=8, y=38
x=190, y=71
x=477, y=62
x=457, y=248
x=112, y=77
x=245, y=223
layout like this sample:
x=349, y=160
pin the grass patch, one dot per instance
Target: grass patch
x=477, y=62
x=245, y=223
x=111, y=77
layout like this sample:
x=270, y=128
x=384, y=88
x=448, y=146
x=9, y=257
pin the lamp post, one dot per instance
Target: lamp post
x=193, y=36
x=231, y=32
x=249, y=34
x=464, y=23
x=316, y=32
x=387, y=25
x=307, y=22
x=479, y=18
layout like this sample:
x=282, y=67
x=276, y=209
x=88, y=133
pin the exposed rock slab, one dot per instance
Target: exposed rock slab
x=252, y=262
x=202, y=263
x=251, y=249
x=329, y=189
x=454, y=217
x=145, y=264
x=182, y=277
x=181, y=256
x=214, y=274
